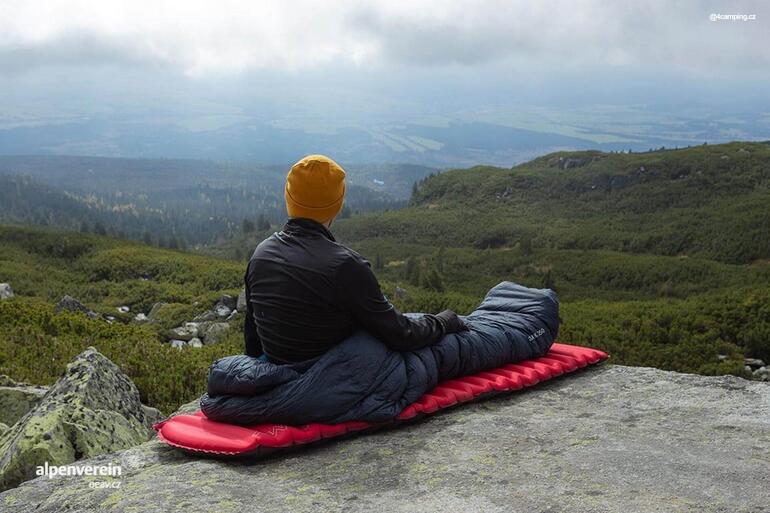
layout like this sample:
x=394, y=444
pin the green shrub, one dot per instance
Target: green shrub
x=36, y=345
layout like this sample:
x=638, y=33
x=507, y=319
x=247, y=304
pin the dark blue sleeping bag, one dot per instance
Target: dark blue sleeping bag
x=362, y=379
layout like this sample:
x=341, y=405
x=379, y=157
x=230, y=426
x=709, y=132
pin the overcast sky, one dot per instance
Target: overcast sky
x=342, y=54
x=225, y=37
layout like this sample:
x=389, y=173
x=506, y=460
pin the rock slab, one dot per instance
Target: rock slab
x=70, y=304
x=93, y=409
x=16, y=399
x=608, y=439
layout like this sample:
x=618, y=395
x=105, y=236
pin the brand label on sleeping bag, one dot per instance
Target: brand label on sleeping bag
x=536, y=334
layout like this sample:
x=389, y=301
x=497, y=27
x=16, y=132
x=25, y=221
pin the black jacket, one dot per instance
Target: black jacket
x=305, y=293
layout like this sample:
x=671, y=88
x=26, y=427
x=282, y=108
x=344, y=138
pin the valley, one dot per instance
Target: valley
x=660, y=258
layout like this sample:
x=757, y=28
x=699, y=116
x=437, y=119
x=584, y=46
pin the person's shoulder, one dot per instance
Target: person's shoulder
x=350, y=260
x=353, y=255
x=266, y=243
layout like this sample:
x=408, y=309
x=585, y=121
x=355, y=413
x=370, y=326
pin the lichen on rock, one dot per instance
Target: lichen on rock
x=93, y=409
x=606, y=439
x=16, y=399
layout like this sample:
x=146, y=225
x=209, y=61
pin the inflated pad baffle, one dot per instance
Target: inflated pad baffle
x=198, y=434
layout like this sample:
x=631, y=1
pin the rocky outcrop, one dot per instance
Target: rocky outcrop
x=571, y=162
x=609, y=439
x=208, y=327
x=207, y=316
x=757, y=368
x=228, y=301
x=93, y=409
x=155, y=310
x=16, y=399
x=70, y=304
x=186, y=332
x=222, y=310
x=197, y=334
x=214, y=332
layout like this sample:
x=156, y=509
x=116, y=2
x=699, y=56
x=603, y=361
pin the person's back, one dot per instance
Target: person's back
x=306, y=292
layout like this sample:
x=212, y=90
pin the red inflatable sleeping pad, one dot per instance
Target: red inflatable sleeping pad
x=196, y=433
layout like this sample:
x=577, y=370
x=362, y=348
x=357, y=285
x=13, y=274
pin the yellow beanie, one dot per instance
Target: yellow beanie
x=315, y=188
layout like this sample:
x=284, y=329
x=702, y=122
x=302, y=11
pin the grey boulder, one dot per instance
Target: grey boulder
x=222, y=310
x=93, y=409
x=155, y=310
x=186, y=332
x=240, y=304
x=16, y=399
x=228, y=301
x=609, y=439
x=6, y=292
x=70, y=304
x=214, y=332
x=208, y=315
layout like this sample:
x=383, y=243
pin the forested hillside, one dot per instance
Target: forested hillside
x=172, y=203
x=707, y=201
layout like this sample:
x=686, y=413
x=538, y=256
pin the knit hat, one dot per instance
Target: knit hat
x=315, y=188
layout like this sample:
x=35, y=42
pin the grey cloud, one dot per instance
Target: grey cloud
x=71, y=49
x=524, y=35
x=647, y=33
x=434, y=42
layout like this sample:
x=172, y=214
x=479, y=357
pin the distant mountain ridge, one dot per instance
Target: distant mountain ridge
x=450, y=142
x=171, y=202
x=104, y=174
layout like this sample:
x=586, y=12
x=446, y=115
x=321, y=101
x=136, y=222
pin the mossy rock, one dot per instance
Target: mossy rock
x=17, y=400
x=93, y=409
x=170, y=315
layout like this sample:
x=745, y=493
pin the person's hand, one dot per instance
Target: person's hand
x=451, y=322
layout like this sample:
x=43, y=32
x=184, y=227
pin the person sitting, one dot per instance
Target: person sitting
x=306, y=292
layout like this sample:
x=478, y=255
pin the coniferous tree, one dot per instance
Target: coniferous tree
x=262, y=223
x=412, y=271
x=99, y=228
x=526, y=245
x=548, y=281
x=440, y=256
x=432, y=280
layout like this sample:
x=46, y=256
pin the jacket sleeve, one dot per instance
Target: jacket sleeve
x=250, y=336
x=360, y=292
